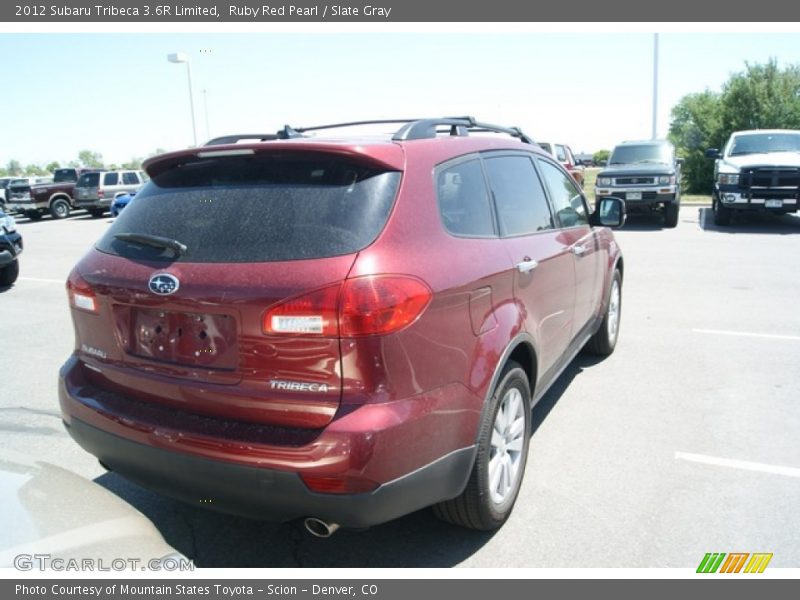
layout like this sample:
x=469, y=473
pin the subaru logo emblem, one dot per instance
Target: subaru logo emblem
x=164, y=284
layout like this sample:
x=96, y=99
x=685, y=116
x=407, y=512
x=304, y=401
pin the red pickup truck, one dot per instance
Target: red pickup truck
x=55, y=198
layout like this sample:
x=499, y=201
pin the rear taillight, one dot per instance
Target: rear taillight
x=373, y=305
x=100, y=193
x=81, y=295
x=311, y=314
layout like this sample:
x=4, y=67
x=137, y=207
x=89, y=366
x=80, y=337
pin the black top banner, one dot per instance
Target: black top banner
x=399, y=11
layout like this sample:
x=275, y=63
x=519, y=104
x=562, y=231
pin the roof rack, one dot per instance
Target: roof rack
x=289, y=132
x=232, y=139
x=459, y=126
x=412, y=129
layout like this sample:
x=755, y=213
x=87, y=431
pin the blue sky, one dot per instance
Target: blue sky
x=116, y=93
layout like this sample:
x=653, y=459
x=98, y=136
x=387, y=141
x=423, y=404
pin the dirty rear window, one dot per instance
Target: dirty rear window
x=88, y=180
x=257, y=209
x=61, y=175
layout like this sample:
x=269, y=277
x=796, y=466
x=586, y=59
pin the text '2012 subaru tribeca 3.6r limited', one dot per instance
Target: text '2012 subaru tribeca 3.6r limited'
x=342, y=331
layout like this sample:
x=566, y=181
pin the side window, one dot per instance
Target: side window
x=561, y=153
x=521, y=202
x=464, y=200
x=567, y=200
x=130, y=178
x=111, y=179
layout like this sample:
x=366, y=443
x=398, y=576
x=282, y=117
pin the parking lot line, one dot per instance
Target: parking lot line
x=738, y=464
x=40, y=280
x=747, y=334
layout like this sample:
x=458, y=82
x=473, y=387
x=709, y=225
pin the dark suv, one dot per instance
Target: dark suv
x=345, y=331
x=10, y=249
x=646, y=175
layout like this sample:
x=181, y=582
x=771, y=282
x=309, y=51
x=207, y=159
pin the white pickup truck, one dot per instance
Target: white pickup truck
x=757, y=170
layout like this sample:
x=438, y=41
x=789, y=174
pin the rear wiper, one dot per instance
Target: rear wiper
x=155, y=241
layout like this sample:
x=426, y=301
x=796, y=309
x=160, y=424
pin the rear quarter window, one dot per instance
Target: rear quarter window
x=258, y=209
x=463, y=199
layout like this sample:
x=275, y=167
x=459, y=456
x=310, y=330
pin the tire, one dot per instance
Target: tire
x=9, y=274
x=96, y=212
x=722, y=214
x=603, y=342
x=671, y=211
x=59, y=209
x=499, y=467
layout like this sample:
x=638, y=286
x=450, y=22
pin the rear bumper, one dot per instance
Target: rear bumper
x=93, y=203
x=254, y=479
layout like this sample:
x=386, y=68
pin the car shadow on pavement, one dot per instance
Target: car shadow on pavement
x=752, y=223
x=643, y=222
x=213, y=539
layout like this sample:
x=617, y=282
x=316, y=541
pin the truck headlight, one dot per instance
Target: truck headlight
x=728, y=178
x=604, y=181
x=8, y=223
x=666, y=180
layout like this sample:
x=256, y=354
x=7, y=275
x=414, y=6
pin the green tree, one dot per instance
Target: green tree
x=696, y=126
x=35, y=170
x=51, y=167
x=760, y=97
x=133, y=163
x=93, y=160
x=14, y=168
x=600, y=155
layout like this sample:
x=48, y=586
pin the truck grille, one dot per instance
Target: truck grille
x=770, y=178
x=634, y=180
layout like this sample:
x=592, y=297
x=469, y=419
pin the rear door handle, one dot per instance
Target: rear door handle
x=527, y=265
x=578, y=250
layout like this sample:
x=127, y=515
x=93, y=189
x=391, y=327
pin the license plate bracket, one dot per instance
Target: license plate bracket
x=773, y=203
x=633, y=196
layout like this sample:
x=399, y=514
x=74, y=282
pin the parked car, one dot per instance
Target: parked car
x=54, y=198
x=282, y=330
x=758, y=170
x=647, y=175
x=4, y=182
x=19, y=190
x=563, y=154
x=10, y=249
x=96, y=191
x=121, y=202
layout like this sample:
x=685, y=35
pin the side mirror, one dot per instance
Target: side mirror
x=680, y=161
x=713, y=153
x=609, y=212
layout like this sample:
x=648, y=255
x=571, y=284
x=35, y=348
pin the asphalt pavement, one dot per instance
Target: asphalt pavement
x=683, y=442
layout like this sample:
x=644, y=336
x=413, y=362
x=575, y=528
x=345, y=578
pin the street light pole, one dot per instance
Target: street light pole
x=655, y=83
x=181, y=57
x=205, y=110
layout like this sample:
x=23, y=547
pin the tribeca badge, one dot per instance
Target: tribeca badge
x=713, y=562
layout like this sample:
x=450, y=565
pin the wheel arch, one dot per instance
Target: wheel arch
x=59, y=196
x=521, y=350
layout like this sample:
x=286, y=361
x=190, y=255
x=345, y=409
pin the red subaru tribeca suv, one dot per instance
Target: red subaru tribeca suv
x=344, y=331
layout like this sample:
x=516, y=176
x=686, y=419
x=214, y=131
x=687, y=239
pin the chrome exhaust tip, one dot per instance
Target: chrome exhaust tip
x=319, y=528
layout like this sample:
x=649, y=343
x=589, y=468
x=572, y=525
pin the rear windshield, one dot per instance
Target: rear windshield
x=64, y=175
x=257, y=209
x=88, y=180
